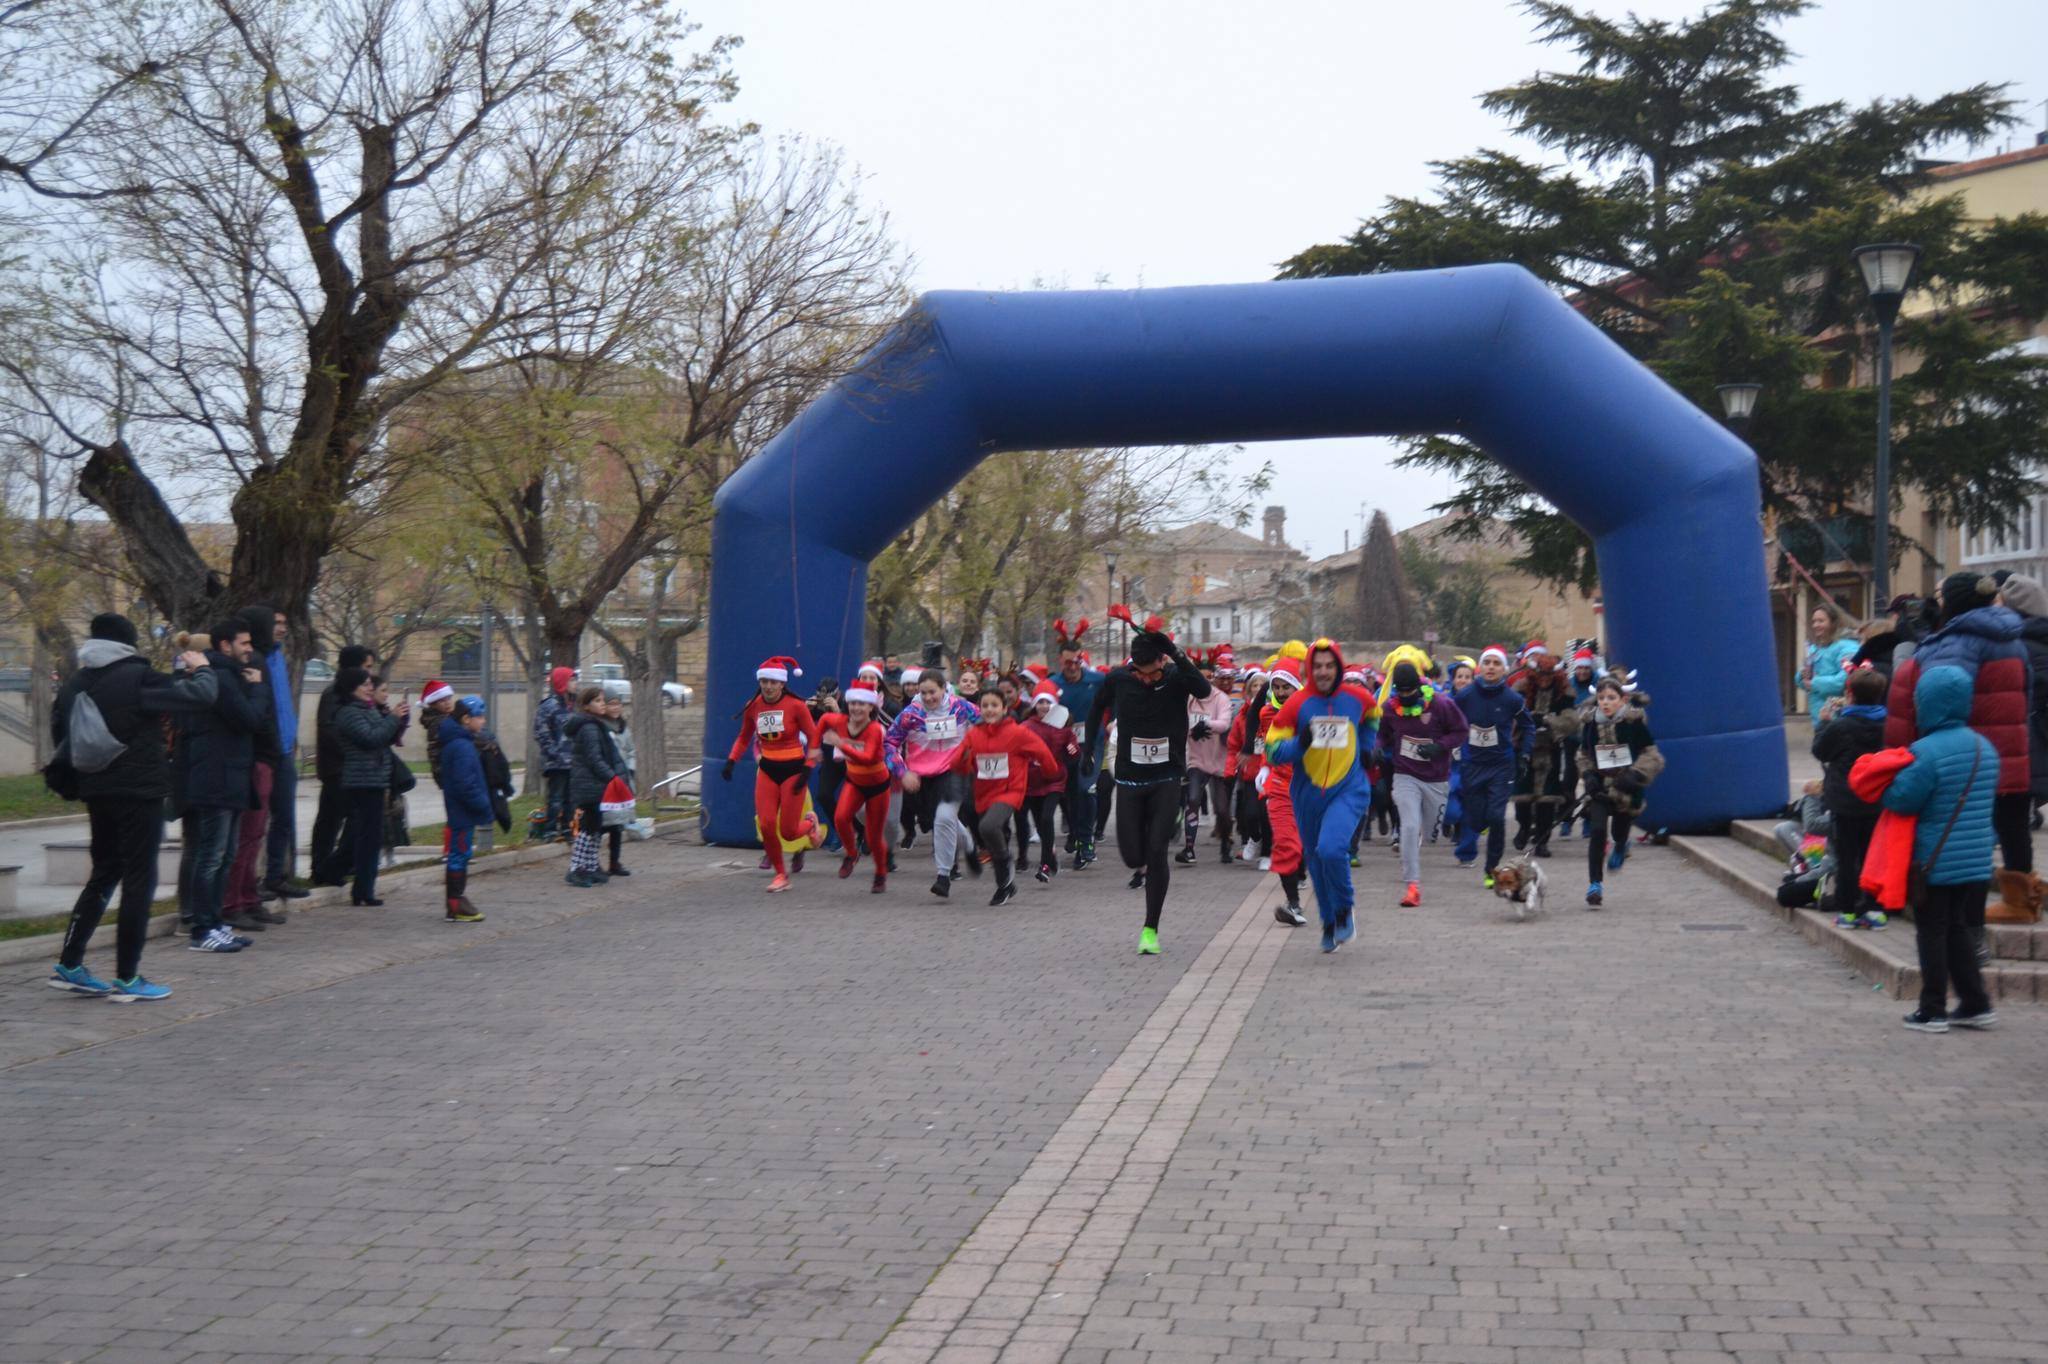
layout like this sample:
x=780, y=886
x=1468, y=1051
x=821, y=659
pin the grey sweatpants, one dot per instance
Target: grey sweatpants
x=1420, y=802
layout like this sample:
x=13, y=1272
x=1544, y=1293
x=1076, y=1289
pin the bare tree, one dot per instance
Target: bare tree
x=292, y=223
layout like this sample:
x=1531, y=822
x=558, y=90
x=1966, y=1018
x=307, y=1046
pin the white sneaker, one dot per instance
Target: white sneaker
x=1265, y=864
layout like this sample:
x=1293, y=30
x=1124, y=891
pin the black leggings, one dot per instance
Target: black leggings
x=2010, y=817
x=1942, y=925
x=1601, y=817
x=1145, y=816
x=1040, y=811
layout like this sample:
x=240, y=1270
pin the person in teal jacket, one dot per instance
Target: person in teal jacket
x=1822, y=679
x=1949, y=786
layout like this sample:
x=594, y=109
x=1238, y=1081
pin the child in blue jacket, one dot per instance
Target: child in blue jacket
x=466, y=797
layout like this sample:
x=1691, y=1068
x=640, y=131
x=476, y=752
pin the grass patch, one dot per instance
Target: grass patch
x=25, y=797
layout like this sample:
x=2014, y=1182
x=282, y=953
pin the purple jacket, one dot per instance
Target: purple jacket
x=1440, y=720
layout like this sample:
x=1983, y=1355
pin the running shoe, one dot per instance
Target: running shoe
x=1347, y=928
x=215, y=940
x=846, y=866
x=1412, y=897
x=881, y=883
x=1148, y=942
x=1329, y=937
x=942, y=887
x=1354, y=859
x=907, y=840
x=78, y=981
x=764, y=864
x=1265, y=864
x=1848, y=920
x=1138, y=879
x=1290, y=915
x=796, y=864
x=1876, y=920
x=778, y=885
x=1986, y=1019
x=616, y=870
x=1005, y=893
x=1543, y=848
x=1487, y=880
x=1464, y=861
x=1394, y=839
x=1617, y=857
x=817, y=833
x=1593, y=896
x=1922, y=1021
x=1186, y=857
x=136, y=990
x=1044, y=873
x=460, y=914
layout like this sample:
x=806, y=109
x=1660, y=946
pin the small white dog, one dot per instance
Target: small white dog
x=1521, y=882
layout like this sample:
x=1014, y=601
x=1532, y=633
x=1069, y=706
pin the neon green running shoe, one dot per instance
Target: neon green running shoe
x=1487, y=880
x=1148, y=942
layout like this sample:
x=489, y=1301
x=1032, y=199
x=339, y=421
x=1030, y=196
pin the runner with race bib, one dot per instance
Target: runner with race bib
x=1496, y=748
x=1330, y=787
x=1618, y=758
x=921, y=746
x=1420, y=728
x=1001, y=757
x=1148, y=699
x=780, y=724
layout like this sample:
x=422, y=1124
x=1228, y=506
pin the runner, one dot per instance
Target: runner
x=1622, y=759
x=1002, y=758
x=1275, y=783
x=920, y=747
x=1540, y=792
x=1078, y=683
x=1147, y=700
x=856, y=741
x=1208, y=757
x=1326, y=729
x=1245, y=758
x=1420, y=728
x=1495, y=752
x=1046, y=795
x=781, y=725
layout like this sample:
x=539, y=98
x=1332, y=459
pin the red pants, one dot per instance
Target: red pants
x=1286, y=834
x=244, y=893
x=779, y=790
x=871, y=803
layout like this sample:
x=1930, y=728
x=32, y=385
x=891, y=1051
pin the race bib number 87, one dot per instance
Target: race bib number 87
x=1329, y=731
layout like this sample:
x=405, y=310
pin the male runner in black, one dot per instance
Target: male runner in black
x=1148, y=697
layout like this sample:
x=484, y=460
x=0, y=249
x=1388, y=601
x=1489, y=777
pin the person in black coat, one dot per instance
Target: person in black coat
x=124, y=800
x=330, y=820
x=1858, y=729
x=216, y=750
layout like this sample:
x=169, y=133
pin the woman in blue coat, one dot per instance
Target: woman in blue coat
x=1949, y=785
x=466, y=799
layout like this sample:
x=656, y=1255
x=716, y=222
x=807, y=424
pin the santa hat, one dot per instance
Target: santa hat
x=1532, y=648
x=778, y=669
x=871, y=667
x=867, y=694
x=1045, y=691
x=435, y=690
x=1225, y=656
x=1039, y=671
x=1494, y=651
x=911, y=676
x=1254, y=675
x=1289, y=668
x=1583, y=655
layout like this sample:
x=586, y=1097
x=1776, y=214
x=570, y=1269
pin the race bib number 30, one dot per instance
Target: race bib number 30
x=992, y=767
x=1611, y=756
x=768, y=724
x=1151, y=752
x=1484, y=736
x=1329, y=731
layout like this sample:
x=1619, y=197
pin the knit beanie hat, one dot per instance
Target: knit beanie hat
x=2025, y=596
x=560, y=678
x=1965, y=591
x=115, y=628
x=1406, y=679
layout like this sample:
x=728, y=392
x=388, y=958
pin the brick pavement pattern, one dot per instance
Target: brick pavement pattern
x=676, y=1119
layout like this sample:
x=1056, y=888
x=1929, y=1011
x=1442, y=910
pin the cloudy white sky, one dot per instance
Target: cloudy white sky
x=1163, y=142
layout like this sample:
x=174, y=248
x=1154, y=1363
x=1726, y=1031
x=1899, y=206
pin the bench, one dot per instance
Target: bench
x=70, y=864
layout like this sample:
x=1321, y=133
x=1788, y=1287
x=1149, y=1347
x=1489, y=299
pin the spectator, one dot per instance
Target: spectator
x=283, y=833
x=549, y=720
x=1883, y=637
x=1823, y=676
x=467, y=799
x=437, y=703
x=1858, y=730
x=2020, y=891
x=595, y=760
x=124, y=801
x=397, y=831
x=332, y=815
x=622, y=739
x=1949, y=787
x=242, y=907
x=216, y=752
x=365, y=735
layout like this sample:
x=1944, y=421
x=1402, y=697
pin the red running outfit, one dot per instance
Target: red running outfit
x=784, y=731
x=865, y=793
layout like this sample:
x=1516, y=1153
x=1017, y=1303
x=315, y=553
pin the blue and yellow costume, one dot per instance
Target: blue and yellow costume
x=1326, y=737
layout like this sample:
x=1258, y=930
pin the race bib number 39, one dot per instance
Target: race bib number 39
x=992, y=767
x=1484, y=736
x=768, y=724
x=1611, y=756
x=1151, y=752
x=1329, y=731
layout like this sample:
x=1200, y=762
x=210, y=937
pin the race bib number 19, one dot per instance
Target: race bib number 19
x=1329, y=731
x=1150, y=752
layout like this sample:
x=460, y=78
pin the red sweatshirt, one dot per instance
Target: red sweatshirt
x=861, y=753
x=1061, y=743
x=776, y=729
x=1000, y=757
x=1247, y=743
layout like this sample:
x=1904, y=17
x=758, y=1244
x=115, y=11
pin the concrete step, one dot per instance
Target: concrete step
x=1888, y=958
x=1756, y=833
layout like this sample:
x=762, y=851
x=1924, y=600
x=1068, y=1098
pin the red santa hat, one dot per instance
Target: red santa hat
x=911, y=676
x=1533, y=648
x=1356, y=674
x=435, y=690
x=1045, y=691
x=867, y=694
x=1289, y=668
x=1583, y=655
x=1498, y=651
x=778, y=669
x=872, y=667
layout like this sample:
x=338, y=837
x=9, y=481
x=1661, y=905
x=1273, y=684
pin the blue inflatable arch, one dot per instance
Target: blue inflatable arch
x=1669, y=498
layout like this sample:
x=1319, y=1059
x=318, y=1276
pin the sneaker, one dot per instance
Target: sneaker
x=907, y=840
x=881, y=883
x=1521, y=839
x=582, y=880
x=1413, y=897
x=817, y=833
x=282, y=890
x=1394, y=839
x=616, y=870
x=1245, y=853
x=764, y=864
x=1044, y=873
x=975, y=865
x=216, y=940
x=458, y=915
x=1487, y=880
x=1186, y=857
x=1347, y=928
x=136, y=990
x=796, y=864
x=1921, y=1021
x=846, y=866
x=78, y=981
x=942, y=887
x=1468, y=861
x=1329, y=937
x=1265, y=864
x=1138, y=879
x=1005, y=893
x=1848, y=920
x=1354, y=859
x=1290, y=915
x=1564, y=832
x=1148, y=942
x=1987, y=1019
x=1593, y=900
x=779, y=884
x=1228, y=855
x=1617, y=857
x=1877, y=920
x=1543, y=848
x=241, y=923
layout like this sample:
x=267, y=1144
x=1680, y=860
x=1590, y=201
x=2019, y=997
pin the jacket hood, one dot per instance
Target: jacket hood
x=2034, y=627
x=98, y=653
x=1941, y=699
x=579, y=720
x=1308, y=666
x=1989, y=622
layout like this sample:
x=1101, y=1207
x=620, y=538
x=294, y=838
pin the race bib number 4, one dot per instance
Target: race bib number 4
x=941, y=729
x=1611, y=756
x=992, y=767
x=1411, y=749
x=1151, y=752
x=1484, y=736
x=768, y=724
x=1329, y=731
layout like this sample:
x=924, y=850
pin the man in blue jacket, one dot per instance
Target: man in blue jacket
x=284, y=783
x=465, y=799
x=1950, y=786
x=1499, y=743
x=1077, y=685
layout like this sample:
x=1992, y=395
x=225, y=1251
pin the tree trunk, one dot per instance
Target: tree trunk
x=173, y=574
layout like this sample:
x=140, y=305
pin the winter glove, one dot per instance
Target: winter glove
x=1200, y=730
x=1628, y=781
x=1430, y=750
x=727, y=773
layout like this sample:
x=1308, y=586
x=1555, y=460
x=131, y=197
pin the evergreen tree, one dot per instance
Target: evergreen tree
x=1386, y=603
x=1703, y=216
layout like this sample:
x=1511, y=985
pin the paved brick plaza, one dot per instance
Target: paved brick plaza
x=677, y=1119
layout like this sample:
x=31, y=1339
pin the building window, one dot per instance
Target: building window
x=461, y=652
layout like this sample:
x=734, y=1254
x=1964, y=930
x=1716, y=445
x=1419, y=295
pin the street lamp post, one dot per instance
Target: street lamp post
x=1886, y=267
x=1738, y=404
x=1109, y=558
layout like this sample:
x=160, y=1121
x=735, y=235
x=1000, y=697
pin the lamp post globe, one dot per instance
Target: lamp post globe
x=1887, y=269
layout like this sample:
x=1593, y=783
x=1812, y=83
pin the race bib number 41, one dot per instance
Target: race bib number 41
x=768, y=724
x=1151, y=752
x=992, y=767
x=941, y=729
x=1611, y=756
x=1329, y=731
